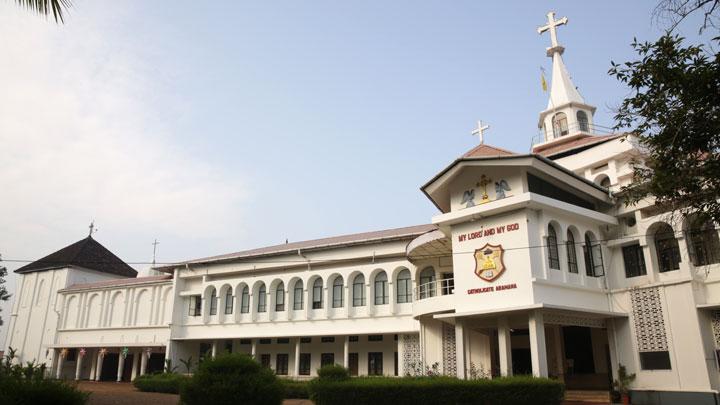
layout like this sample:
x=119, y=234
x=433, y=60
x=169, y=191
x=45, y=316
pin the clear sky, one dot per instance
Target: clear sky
x=220, y=126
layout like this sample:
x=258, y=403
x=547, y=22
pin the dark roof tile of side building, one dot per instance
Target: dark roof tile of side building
x=483, y=150
x=88, y=254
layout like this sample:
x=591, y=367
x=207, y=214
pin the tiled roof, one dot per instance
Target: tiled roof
x=335, y=241
x=487, y=151
x=121, y=282
x=87, y=253
x=584, y=142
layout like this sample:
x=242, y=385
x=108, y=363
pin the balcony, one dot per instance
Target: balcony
x=434, y=297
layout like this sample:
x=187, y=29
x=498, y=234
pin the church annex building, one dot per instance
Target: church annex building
x=531, y=266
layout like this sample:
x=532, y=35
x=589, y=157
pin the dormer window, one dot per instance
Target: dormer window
x=560, y=125
x=583, y=122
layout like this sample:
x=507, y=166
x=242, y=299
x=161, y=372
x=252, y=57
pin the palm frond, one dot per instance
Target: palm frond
x=45, y=7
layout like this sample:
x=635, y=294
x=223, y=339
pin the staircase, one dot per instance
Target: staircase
x=597, y=397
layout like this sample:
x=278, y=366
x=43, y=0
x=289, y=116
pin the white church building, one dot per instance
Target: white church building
x=532, y=265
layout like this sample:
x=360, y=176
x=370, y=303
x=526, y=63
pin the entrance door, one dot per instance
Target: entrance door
x=109, y=367
x=578, y=350
x=353, y=363
x=156, y=363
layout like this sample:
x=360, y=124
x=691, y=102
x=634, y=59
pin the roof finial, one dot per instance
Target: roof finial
x=92, y=227
x=479, y=131
x=551, y=26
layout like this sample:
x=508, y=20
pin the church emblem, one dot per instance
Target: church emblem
x=468, y=198
x=489, y=262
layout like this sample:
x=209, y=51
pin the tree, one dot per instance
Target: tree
x=675, y=11
x=46, y=7
x=4, y=295
x=674, y=110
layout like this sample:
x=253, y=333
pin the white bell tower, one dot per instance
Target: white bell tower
x=567, y=114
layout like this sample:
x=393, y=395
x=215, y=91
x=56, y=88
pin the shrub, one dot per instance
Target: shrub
x=163, y=382
x=333, y=372
x=437, y=390
x=295, y=389
x=232, y=379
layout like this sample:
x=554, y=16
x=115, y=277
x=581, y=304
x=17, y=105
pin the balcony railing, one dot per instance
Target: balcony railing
x=445, y=286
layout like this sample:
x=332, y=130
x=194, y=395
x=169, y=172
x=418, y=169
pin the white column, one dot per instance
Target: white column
x=136, y=360
x=121, y=367
x=538, y=351
x=460, y=355
x=59, y=364
x=78, y=366
x=504, y=347
x=253, y=349
x=93, y=364
x=346, y=352
x=98, y=369
x=213, y=352
x=296, y=366
x=143, y=362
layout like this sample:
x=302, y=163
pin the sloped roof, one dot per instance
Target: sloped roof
x=335, y=241
x=119, y=282
x=576, y=145
x=87, y=253
x=483, y=150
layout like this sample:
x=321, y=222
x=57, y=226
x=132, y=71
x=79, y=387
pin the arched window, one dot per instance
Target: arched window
x=381, y=289
x=666, y=248
x=213, y=302
x=593, y=256
x=317, y=299
x=427, y=283
x=359, y=291
x=560, y=125
x=298, y=296
x=228, y=301
x=552, y=246
x=703, y=243
x=571, y=252
x=245, y=300
x=262, y=299
x=337, y=292
x=280, y=297
x=404, y=287
x=582, y=120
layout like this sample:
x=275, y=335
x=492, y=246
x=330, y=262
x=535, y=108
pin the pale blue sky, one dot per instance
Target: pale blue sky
x=222, y=126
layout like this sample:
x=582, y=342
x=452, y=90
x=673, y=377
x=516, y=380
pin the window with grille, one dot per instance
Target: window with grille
x=634, y=261
x=552, y=246
x=404, y=287
x=381, y=289
x=359, y=291
x=571, y=253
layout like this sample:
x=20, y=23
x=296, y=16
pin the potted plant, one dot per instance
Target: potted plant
x=622, y=384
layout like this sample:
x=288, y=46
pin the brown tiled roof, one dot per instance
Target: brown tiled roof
x=87, y=253
x=487, y=151
x=585, y=141
x=335, y=241
x=119, y=282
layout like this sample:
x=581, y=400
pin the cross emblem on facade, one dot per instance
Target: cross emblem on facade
x=479, y=131
x=551, y=26
x=92, y=228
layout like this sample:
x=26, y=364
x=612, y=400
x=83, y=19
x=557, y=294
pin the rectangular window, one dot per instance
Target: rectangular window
x=634, y=261
x=229, y=304
x=327, y=359
x=71, y=355
x=381, y=292
x=265, y=360
x=245, y=303
x=337, y=296
x=305, y=339
x=353, y=338
x=395, y=364
x=283, y=341
x=281, y=364
x=298, y=297
x=245, y=341
x=262, y=302
x=205, y=350
x=305, y=363
x=279, y=300
x=327, y=339
x=228, y=346
x=265, y=341
x=353, y=360
x=195, y=305
x=593, y=259
x=375, y=338
x=571, y=256
x=375, y=363
x=655, y=360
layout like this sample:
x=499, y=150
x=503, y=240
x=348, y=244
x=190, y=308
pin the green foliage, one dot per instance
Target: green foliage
x=333, y=372
x=28, y=385
x=162, y=382
x=624, y=380
x=188, y=363
x=674, y=111
x=4, y=295
x=295, y=389
x=232, y=379
x=437, y=390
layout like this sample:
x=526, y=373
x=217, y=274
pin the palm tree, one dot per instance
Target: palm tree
x=45, y=7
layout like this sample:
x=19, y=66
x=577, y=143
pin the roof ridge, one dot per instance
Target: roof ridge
x=478, y=148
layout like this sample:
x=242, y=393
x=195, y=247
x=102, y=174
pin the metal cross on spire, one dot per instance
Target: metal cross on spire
x=92, y=228
x=479, y=131
x=551, y=26
x=154, y=250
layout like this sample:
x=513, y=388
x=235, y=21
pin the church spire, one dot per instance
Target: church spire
x=566, y=113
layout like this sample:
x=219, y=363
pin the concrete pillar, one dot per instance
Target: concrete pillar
x=346, y=352
x=135, y=363
x=59, y=363
x=93, y=364
x=98, y=370
x=460, y=349
x=538, y=351
x=78, y=366
x=213, y=352
x=121, y=367
x=505, y=347
x=296, y=365
x=253, y=349
x=143, y=362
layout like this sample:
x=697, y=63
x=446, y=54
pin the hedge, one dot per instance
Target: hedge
x=164, y=382
x=437, y=390
x=295, y=389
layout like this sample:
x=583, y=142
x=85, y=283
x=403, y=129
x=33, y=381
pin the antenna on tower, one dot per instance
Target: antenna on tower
x=155, y=243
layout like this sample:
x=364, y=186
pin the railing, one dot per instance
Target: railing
x=570, y=129
x=431, y=289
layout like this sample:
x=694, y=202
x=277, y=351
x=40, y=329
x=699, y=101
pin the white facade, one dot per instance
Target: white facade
x=531, y=266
